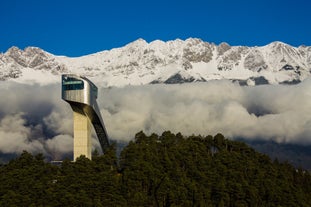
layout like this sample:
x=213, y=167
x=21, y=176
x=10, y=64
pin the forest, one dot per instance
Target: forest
x=158, y=170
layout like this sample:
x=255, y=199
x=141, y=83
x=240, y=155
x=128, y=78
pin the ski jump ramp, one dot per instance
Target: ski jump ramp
x=81, y=94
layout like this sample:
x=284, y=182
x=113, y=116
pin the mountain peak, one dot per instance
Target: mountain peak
x=137, y=43
x=279, y=44
x=13, y=50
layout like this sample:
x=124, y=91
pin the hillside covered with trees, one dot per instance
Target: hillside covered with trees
x=158, y=170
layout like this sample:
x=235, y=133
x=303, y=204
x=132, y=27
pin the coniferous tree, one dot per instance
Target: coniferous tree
x=158, y=170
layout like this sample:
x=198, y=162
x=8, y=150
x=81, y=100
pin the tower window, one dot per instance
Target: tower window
x=72, y=84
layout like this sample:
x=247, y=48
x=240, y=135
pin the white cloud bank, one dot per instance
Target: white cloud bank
x=34, y=118
x=281, y=113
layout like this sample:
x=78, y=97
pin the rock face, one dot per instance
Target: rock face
x=169, y=62
x=14, y=61
x=255, y=61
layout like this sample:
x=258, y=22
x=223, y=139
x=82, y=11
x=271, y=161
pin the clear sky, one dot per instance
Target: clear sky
x=79, y=27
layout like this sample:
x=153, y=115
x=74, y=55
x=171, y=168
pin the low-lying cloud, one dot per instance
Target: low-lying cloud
x=34, y=118
x=272, y=112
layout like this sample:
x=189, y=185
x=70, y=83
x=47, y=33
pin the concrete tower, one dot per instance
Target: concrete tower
x=81, y=94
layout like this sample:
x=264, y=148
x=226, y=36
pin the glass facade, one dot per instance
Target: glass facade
x=72, y=84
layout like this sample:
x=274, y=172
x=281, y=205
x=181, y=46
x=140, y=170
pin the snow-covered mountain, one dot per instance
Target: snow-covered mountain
x=175, y=61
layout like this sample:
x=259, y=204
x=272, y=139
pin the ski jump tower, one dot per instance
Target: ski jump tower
x=81, y=94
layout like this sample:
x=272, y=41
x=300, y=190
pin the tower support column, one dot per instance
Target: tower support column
x=81, y=135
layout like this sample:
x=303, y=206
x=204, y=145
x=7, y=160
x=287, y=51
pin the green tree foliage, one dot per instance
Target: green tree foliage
x=158, y=170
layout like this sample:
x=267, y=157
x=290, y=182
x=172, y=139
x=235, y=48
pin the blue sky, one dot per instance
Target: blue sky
x=79, y=27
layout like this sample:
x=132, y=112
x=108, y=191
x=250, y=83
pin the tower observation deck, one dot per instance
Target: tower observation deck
x=81, y=94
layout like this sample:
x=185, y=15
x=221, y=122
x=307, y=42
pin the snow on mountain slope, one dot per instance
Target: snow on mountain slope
x=175, y=61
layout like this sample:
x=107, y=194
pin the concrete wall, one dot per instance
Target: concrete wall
x=82, y=136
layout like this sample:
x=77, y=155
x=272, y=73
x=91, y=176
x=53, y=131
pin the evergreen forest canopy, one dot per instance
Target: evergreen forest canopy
x=165, y=170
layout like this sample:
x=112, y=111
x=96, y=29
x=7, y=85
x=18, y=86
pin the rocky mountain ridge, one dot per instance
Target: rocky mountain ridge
x=175, y=61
